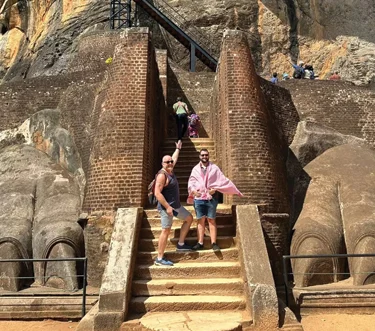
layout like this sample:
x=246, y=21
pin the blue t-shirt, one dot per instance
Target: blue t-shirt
x=274, y=80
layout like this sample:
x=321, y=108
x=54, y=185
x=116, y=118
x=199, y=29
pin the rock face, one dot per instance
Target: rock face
x=312, y=140
x=337, y=217
x=38, y=37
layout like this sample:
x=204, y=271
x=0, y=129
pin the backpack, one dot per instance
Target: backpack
x=151, y=190
x=298, y=73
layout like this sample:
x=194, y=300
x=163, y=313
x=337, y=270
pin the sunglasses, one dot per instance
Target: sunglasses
x=202, y=155
x=168, y=162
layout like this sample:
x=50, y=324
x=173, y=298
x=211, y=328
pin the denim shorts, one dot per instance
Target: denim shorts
x=206, y=208
x=166, y=220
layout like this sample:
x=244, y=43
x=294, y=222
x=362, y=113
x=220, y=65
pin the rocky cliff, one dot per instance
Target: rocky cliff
x=38, y=37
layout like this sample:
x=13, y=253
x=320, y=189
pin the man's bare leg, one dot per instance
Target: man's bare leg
x=213, y=229
x=200, y=229
x=185, y=228
x=163, y=239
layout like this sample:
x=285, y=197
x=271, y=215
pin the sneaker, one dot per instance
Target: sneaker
x=197, y=247
x=163, y=262
x=183, y=247
x=215, y=247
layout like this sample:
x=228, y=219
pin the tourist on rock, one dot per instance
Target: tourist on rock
x=285, y=76
x=206, y=179
x=335, y=76
x=274, y=78
x=168, y=195
x=181, y=112
x=299, y=70
x=309, y=72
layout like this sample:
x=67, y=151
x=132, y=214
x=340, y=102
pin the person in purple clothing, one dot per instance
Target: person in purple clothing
x=194, y=124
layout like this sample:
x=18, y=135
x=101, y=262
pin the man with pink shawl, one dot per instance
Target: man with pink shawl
x=205, y=179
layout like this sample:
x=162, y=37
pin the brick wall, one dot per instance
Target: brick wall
x=21, y=99
x=280, y=104
x=338, y=104
x=195, y=88
x=247, y=144
x=93, y=49
x=126, y=145
x=276, y=234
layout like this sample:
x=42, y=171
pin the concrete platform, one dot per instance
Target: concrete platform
x=341, y=297
x=193, y=321
x=43, y=302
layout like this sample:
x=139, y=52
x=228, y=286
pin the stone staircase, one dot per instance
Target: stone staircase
x=205, y=281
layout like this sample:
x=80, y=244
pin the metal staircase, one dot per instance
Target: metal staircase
x=193, y=39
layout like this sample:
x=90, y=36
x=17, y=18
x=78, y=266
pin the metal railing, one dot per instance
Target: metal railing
x=120, y=14
x=287, y=258
x=197, y=43
x=78, y=259
x=183, y=23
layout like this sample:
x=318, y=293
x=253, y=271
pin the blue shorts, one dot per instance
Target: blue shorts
x=166, y=220
x=205, y=208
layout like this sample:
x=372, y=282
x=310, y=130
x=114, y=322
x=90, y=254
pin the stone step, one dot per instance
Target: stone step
x=39, y=307
x=155, y=221
x=151, y=233
x=150, y=245
x=188, y=286
x=224, y=320
x=190, y=148
x=222, y=209
x=190, y=160
x=189, y=141
x=186, y=302
x=185, y=269
x=346, y=300
x=227, y=254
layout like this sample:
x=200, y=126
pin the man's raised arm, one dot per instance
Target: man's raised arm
x=177, y=151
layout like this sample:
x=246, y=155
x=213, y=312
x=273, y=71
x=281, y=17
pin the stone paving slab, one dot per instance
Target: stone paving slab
x=193, y=321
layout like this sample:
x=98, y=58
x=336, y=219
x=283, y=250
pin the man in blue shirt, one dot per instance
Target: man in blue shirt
x=299, y=70
x=274, y=78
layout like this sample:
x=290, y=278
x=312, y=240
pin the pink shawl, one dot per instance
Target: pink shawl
x=214, y=179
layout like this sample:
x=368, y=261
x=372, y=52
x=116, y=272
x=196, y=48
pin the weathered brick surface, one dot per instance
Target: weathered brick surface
x=98, y=233
x=276, y=233
x=130, y=123
x=21, y=99
x=247, y=144
x=340, y=105
x=280, y=105
x=195, y=88
x=78, y=107
x=93, y=49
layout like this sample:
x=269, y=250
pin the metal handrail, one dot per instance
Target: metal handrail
x=150, y=8
x=181, y=20
x=75, y=259
x=289, y=257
